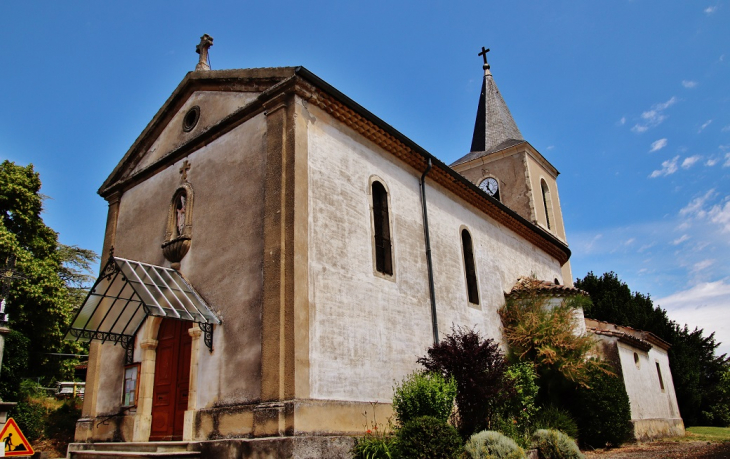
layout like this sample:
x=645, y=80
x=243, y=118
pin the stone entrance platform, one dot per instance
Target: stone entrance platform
x=300, y=447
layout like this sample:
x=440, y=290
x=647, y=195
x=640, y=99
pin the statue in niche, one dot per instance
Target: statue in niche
x=178, y=233
x=180, y=213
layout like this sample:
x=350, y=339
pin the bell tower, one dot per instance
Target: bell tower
x=507, y=168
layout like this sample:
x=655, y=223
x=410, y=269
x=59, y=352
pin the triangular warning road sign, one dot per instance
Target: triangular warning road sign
x=14, y=440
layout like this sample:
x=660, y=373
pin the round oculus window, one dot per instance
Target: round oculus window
x=191, y=119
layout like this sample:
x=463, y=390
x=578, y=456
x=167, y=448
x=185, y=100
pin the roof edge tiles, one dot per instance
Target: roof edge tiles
x=529, y=285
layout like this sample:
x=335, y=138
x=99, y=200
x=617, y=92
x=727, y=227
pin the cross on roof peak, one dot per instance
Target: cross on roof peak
x=206, y=41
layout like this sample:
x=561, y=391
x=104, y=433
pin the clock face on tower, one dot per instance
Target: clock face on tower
x=490, y=186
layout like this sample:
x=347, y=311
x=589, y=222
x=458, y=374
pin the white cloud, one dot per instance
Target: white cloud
x=622, y=121
x=695, y=208
x=658, y=145
x=689, y=83
x=720, y=215
x=710, y=9
x=680, y=240
x=705, y=306
x=689, y=162
x=589, y=246
x=706, y=123
x=727, y=160
x=669, y=167
x=653, y=117
x=726, y=128
x=702, y=265
x=550, y=147
x=717, y=213
x=711, y=162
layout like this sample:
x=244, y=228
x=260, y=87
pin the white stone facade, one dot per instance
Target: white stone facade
x=366, y=329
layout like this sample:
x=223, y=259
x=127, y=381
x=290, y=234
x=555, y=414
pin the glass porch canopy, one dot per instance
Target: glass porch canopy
x=128, y=291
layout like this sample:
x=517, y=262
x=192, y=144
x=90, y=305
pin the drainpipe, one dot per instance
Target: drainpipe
x=429, y=263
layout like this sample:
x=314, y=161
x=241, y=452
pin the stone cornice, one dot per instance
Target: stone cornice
x=519, y=148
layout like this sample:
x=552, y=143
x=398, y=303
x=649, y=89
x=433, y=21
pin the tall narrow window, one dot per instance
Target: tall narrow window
x=659, y=373
x=381, y=222
x=547, y=203
x=471, y=273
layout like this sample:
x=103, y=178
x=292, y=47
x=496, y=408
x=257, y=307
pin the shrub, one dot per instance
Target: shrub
x=553, y=444
x=428, y=438
x=517, y=414
x=31, y=417
x=374, y=447
x=554, y=418
x=424, y=394
x=511, y=429
x=546, y=335
x=602, y=411
x=492, y=445
x=15, y=361
x=477, y=365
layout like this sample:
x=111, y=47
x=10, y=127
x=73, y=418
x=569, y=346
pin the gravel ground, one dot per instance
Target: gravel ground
x=665, y=450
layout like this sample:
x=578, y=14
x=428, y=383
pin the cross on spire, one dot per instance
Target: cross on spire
x=484, y=54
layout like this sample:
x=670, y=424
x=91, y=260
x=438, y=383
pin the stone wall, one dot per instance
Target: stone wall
x=367, y=329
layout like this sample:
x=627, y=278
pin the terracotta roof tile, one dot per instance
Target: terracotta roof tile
x=530, y=284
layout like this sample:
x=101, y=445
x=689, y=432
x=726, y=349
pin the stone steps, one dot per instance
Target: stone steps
x=165, y=450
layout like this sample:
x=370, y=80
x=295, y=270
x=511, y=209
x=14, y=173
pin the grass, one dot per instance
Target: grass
x=710, y=434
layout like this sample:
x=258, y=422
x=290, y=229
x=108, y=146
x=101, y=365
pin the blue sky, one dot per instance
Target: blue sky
x=630, y=100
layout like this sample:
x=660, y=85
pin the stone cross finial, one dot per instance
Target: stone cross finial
x=184, y=170
x=206, y=41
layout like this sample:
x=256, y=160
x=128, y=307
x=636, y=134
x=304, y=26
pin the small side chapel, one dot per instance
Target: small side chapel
x=276, y=256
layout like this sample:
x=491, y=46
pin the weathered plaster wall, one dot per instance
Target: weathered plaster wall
x=223, y=264
x=367, y=330
x=648, y=400
x=214, y=106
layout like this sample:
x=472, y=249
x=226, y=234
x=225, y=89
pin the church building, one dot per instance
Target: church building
x=276, y=257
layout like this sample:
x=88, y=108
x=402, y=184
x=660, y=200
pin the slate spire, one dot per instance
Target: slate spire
x=494, y=123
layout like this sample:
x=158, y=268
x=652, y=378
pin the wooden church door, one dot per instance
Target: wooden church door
x=172, y=380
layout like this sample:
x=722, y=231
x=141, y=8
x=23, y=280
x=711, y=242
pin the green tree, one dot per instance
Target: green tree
x=696, y=370
x=41, y=304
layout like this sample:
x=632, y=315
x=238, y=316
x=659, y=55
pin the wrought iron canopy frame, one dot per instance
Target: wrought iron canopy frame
x=128, y=291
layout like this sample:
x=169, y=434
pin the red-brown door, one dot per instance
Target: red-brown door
x=172, y=380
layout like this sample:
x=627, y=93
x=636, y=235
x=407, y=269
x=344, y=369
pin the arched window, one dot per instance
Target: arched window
x=548, y=204
x=381, y=223
x=469, y=267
